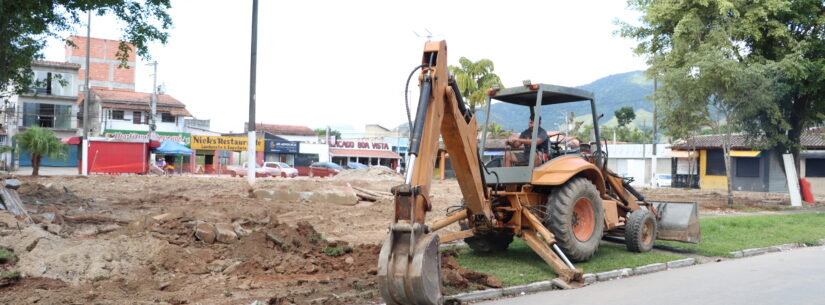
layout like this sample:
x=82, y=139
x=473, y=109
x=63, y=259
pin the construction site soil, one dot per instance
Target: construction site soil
x=131, y=240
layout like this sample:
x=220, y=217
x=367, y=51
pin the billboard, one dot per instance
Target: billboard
x=180, y=137
x=224, y=143
x=283, y=147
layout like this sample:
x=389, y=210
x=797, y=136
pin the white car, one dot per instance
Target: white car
x=240, y=170
x=283, y=169
x=664, y=180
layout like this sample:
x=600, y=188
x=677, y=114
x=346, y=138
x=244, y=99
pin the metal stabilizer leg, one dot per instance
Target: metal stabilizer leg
x=409, y=266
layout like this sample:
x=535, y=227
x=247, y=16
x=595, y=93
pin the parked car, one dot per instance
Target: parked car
x=324, y=169
x=664, y=180
x=284, y=170
x=272, y=169
x=355, y=165
x=240, y=170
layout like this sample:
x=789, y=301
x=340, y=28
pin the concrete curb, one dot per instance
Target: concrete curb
x=590, y=278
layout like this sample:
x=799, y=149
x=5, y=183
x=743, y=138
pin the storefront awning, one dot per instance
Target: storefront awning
x=745, y=153
x=682, y=154
x=363, y=153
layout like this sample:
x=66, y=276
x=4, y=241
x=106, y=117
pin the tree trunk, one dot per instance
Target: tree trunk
x=726, y=154
x=35, y=164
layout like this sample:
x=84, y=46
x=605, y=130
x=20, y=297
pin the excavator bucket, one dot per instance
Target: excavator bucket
x=678, y=221
x=409, y=267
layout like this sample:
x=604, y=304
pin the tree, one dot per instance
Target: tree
x=703, y=53
x=496, y=131
x=25, y=25
x=322, y=132
x=625, y=115
x=474, y=80
x=39, y=143
x=756, y=66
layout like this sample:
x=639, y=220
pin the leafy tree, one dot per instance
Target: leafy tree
x=625, y=115
x=322, y=132
x=496, y=131
x=25, y=25
x=704, y=54
x=39, y=143
x=474, y=80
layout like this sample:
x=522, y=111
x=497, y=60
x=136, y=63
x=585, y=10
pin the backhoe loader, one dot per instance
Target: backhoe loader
x=560, y=208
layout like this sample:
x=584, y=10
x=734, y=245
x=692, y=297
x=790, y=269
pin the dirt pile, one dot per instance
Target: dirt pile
x=455, y=278
x=374, y=173
x=38, y=194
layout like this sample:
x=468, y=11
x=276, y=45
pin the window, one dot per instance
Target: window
x=747, y=167
x=47, y=115
x=167, y=117
x=715, y=163
x=117, y=114
x=136, y=116
x=814, y=167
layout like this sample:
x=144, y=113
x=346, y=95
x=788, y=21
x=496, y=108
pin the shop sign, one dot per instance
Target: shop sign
x=360, y=145
x=224, y=143
x=283, y=147
x=179, y=137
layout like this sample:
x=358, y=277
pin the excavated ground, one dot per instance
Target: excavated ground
x=116, y=240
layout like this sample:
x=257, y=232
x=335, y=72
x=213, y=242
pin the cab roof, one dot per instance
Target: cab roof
x=551, y=94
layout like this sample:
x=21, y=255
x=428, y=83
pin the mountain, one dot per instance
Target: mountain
x=612, y=92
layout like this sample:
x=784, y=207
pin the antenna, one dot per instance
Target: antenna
x=429, y=35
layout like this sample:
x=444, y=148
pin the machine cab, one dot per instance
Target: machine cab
x=556, y=104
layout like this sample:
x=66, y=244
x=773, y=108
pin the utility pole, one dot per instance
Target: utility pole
x=154, y=104
x=251, y=139
x=655, y=140
x=87, y=99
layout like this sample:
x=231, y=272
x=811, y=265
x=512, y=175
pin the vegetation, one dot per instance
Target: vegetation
x=25, y=25
x=520, y=265
x=474, y=80
x=6, y=255
x=39, y=143
x=496, y=131
x=756, y=65
x=726, y=234
x=337, y=250
x=625, y=115
x=322, y=132
x=13, y=275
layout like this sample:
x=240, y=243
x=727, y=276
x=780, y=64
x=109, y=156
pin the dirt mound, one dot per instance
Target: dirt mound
x=374, y=173
x=455, y=278
x=38, y=194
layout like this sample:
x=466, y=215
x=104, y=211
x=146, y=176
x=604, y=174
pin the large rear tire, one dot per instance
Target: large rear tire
x=576, y=217
x=640, y=231
x=493, y=242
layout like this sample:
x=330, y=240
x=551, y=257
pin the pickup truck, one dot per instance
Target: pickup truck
x=240, y=170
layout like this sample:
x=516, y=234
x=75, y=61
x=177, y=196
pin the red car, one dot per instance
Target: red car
x=324, y=169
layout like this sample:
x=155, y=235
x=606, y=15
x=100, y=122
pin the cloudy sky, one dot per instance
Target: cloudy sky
x=346, y=62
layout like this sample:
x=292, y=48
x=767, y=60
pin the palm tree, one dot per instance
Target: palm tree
x=40, y=142
x=474, y=80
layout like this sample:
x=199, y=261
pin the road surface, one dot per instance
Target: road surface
x=791, y=277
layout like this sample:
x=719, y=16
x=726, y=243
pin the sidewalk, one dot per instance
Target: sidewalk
x=47, y=171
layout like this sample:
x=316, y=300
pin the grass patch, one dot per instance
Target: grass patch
x=6, y=255
x=14, y=275
x=337, y=250
x=520, y=265
x=726, y=234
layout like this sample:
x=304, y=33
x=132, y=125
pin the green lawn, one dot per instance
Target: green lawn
x=520, y=265
x=726, y=234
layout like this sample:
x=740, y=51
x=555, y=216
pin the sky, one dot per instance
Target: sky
x=345, y=63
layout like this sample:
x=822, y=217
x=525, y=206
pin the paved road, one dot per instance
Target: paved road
x=791, y=277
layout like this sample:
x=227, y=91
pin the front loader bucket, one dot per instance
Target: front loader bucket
x=678, y=221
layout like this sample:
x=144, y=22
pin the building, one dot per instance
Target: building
x=125, y=110
x=50, y=104
x=753, y=169
x=287, y=132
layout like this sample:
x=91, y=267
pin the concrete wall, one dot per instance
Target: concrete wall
x=755, y=184
x=322, y=150
x=709, y=182
x=126, y=123
x=776, y=174
x=310, y=139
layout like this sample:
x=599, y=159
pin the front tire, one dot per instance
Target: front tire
x=640, y=231
x=576, y=217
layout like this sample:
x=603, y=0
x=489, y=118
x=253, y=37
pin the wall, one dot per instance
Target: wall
x=755, y=184
x=105, y=72
x=311, y=148
x=776, y=174
x=707, y=182
x=299, y=138
x=127, y=123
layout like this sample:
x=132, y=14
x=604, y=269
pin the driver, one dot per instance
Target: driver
x=524, y=139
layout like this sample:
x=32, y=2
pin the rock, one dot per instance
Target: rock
x=225, y=233
x=349, y=260
x=205, y=232
x=48, y=216
x=53, y=228
x=168, y=216
x=232, y=267
x=245, y=285
x=13, y=183
x=107, y=256
x=163, y=285
x=239, y=230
